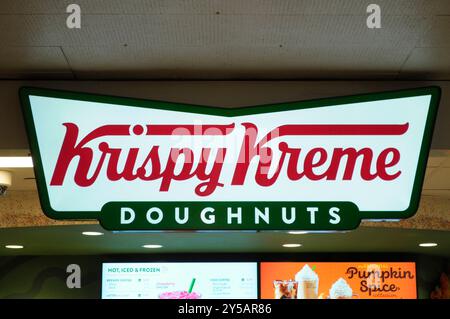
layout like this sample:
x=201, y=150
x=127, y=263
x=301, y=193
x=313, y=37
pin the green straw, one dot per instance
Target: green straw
x=192, y=285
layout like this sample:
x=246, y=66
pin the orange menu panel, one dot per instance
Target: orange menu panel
x=338, y=280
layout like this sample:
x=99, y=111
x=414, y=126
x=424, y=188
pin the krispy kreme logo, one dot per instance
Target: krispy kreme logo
x=318, y=165
x=382, y=165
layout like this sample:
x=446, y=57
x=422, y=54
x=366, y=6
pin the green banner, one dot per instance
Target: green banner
x=229, y=216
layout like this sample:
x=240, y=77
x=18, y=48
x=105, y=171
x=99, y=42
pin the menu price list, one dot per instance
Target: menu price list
x=179, y=281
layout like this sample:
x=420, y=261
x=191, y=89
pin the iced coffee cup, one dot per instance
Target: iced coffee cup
x=179, y=295
x=341, y=290
x=308, y=283
x=285, y=289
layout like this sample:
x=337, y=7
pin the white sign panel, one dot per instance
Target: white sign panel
x=153, y=163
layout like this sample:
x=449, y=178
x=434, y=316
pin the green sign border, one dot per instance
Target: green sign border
x=26, y=92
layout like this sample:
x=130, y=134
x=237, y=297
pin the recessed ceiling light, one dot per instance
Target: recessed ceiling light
x=152, y=246
x=15, y=161
x=292, y=245
x=14, y=246
x=295, y=232
x=92, y=233
x=428, y=245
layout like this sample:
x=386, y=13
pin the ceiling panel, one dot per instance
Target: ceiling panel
x=32, y=59
x=274, y=39
x=446, y=163
x=439, y=179
x=397, y=7
x=313, y=30
x=210, y=61
x=353, y=7
x=437, y=192
x=440, y=7
x=398, y=32
x=109, y=6
x=438, y=158
x=431, y=63
x=438, y=34
x=51, y=30
x=435, y=162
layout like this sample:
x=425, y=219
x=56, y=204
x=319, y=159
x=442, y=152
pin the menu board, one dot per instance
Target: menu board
x=179, y=281
x=338, y=280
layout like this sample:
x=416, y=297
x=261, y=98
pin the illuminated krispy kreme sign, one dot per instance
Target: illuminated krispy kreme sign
x=149, y=165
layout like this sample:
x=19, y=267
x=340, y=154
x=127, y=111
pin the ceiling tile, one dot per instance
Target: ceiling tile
x=438, y=34
x=435, y=161
x=440, y=7
x=400, y=32
x=355, y=7
x=190, y=39
x=446, y=163
x=32, y=7
x=32, y=59
x=431, y=63
x=356, y=60
x=428, y=176
x=435, y=192
x=51, y=30
x=439, y=179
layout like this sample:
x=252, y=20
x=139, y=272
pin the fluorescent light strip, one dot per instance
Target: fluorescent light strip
x=15, y=162
x=14, y=246
x=92, y=233
x=428, y=244
x=292, y=245
x=152, y=246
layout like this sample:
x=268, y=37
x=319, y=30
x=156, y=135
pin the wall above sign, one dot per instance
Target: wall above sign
x=148, y=165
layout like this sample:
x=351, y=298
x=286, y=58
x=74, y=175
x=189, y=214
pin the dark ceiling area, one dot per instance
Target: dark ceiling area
x=68, y=240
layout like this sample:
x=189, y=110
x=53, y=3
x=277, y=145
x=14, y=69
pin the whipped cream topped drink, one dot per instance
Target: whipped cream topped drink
x=341, y=290
x=308, y=283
